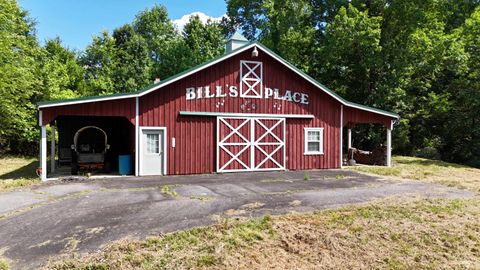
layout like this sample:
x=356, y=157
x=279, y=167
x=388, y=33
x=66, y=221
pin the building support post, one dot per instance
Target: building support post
x=389, y=145
x=43, y=152
x=137, y=146
x=52, y=150
x=341, y=136
x=349, y=138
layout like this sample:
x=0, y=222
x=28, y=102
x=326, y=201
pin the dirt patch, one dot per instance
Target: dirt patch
x=95, y=230
x=251, y=206
x=202, y=197
x=235, y=212
x=295, y=203
x=71, y=245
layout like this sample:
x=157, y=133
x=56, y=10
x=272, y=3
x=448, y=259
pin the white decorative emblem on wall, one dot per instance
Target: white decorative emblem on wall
x=251, y=74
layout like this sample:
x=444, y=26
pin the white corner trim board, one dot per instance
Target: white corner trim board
x=137, y=130
x=43, y=152
x=341, y=136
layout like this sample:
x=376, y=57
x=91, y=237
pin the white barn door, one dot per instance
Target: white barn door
x=250, y=144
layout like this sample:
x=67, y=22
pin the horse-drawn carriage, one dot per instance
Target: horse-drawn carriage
x=89, y=148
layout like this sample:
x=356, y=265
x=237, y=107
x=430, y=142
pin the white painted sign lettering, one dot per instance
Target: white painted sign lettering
x=251, y=86
x=206, y=92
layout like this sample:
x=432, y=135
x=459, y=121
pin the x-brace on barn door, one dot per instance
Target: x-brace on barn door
x=250, y=144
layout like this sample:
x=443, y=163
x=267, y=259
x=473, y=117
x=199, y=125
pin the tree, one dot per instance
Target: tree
x=19, y=79
x=132, y=64
x=98, y=61
x=285, y=26
x=348, y=59
x=161, y=37
x=414, y=44
x=460, y=132
x=204, y=41
x=62, y=75
x=247, y=15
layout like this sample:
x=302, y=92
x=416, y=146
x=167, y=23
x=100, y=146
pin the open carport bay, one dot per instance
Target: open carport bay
x=90, y=135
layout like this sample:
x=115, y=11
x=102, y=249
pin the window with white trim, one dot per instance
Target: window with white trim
x=153, y=144
x=313, y=141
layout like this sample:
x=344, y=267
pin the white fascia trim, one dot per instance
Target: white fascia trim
x=262, y=115
x=73, y=102
x=165, y=141
x=370, y=110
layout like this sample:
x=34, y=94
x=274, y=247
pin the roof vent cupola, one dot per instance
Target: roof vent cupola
x=236, y=41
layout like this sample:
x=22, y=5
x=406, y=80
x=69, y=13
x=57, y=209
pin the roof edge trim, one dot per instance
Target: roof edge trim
x=213, y=62
x=149, y=89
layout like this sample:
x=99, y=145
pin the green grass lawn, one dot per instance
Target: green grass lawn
x=421, y=169
x=392, y=233
x=17, y=172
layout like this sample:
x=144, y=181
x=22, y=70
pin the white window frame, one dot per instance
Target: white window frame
x=158, y=144
x=246, y=93
x=306, y=141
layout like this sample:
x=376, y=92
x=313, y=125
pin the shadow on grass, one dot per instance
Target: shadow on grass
x=26, y=171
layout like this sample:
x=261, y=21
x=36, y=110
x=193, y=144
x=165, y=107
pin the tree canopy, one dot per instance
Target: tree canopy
x=419, y=58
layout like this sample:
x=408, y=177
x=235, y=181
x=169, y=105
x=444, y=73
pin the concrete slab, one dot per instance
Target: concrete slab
x=193, y=190
x=17, y=200
x=65, y=189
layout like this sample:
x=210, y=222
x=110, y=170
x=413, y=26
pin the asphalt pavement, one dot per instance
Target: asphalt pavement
x=82, y=215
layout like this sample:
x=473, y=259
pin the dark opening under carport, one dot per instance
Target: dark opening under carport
x=94, y=140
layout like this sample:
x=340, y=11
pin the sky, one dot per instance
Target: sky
x=75, y=21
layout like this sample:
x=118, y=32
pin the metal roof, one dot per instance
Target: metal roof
x=238, y=36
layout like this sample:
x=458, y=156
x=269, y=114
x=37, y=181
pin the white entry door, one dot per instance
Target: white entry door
x=152, y=152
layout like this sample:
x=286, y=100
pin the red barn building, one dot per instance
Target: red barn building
x=247, y=110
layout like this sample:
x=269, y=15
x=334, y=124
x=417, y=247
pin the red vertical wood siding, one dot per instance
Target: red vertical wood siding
x=119, y=107
x=195, y=136
x=195, y=149
x=356, y=116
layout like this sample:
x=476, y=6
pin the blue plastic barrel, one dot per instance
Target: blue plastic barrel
x=125, y=164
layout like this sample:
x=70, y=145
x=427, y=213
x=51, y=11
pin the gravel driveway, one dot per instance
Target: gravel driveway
x=59, y=217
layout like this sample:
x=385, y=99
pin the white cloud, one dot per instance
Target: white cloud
x=180, y=23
